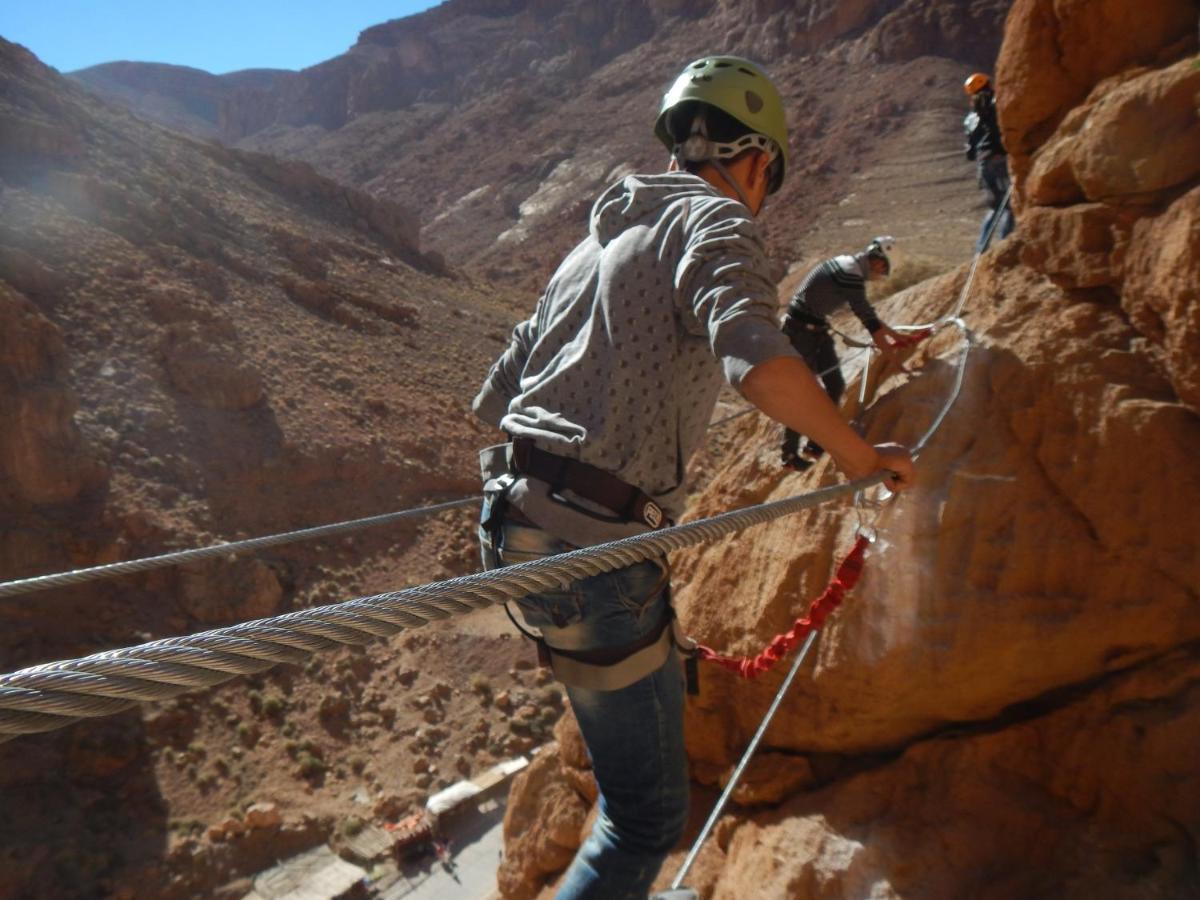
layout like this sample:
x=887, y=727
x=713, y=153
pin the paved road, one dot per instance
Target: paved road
x=476, y=854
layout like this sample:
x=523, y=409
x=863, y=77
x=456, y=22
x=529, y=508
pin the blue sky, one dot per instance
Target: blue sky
x=216, y=35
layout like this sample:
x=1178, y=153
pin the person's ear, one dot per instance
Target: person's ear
x=761, y=168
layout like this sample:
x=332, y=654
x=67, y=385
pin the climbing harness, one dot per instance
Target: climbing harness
x=625, y=501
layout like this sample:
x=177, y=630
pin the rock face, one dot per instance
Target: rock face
x=1053, y=806
x=1007, y=704
x=163, y=385
x=1056, y=53
x=43, y=457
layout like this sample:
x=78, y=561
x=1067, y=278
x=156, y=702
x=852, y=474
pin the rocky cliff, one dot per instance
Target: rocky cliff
x=1009, y=704
x=200, y=343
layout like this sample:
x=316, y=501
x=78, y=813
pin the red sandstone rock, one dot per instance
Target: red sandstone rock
x=1079, y=246
x=262, y=816
x=547, y=814
x=1162, y=270
x=203, y=361
x=1138, y=137
x=1005, y=812
x=43, y=458
x=1055, y=51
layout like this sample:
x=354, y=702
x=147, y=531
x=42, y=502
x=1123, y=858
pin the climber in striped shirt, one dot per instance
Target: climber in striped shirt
x=834, y=283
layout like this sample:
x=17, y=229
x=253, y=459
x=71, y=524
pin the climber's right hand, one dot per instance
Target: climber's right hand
x=898, y=461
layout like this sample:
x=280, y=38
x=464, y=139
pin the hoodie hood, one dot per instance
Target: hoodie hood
x=642, y=198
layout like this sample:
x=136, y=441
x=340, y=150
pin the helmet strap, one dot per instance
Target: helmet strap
x=697, y=148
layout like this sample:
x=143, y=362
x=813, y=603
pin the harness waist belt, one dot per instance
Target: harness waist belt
x=626, y=501
x=798, y=317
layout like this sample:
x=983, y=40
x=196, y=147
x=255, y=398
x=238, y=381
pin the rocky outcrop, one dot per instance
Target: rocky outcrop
x=204, y=361
x=1007, y=703
x=1151, y=115
x=1120, y=219
x=43, y=457
x=1056, y=53
x=547, y=818
x=1052, y=805
x=1162, y=269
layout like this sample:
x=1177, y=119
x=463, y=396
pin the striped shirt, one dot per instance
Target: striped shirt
x=833, y=284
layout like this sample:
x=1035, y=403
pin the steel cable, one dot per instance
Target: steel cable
x=112, y=570
x=50, y=696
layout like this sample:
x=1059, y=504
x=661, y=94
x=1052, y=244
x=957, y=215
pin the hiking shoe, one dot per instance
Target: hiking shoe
x=796, y=463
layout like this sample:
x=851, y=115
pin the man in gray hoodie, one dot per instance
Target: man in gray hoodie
x=604, y=393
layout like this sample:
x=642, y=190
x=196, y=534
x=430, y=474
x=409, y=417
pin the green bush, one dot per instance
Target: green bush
x=482, y=686
x=273, y=706
x=310, y=766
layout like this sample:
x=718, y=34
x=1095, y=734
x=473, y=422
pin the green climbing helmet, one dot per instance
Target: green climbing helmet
x=739, y=88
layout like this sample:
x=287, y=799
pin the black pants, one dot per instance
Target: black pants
x=817, y=349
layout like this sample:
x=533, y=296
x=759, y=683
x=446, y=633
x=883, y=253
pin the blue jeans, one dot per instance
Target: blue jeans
x=993, y=178
x=634, y=735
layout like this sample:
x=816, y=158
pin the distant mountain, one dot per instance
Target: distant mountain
x=179, y=97
x=500, y=120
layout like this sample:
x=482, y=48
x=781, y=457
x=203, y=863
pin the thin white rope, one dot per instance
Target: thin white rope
x=939, y=323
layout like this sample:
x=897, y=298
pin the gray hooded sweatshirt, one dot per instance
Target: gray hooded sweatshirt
x=618, y=366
